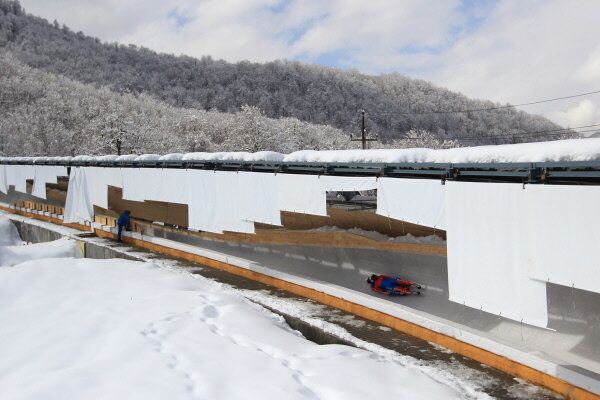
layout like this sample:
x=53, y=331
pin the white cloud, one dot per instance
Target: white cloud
x=380, y=24
x=589, y=72
x=109, y=20
x=262, y=29
x=526, y=51
x=583, y=114
x=521, y=51
x=234, y=30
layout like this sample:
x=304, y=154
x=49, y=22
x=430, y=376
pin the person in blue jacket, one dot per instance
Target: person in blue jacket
x=392, y=285
x=124, y=221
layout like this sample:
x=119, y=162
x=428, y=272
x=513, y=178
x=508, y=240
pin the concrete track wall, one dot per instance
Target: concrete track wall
x=35, y=234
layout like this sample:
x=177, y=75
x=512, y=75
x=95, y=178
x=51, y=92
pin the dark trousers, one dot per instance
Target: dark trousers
x=121, y=226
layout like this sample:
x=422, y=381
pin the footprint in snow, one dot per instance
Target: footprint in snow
x=210, y=312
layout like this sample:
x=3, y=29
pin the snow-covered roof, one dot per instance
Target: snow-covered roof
x=558, y=150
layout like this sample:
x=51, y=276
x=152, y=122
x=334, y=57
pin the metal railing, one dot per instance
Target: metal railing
x=580, y=172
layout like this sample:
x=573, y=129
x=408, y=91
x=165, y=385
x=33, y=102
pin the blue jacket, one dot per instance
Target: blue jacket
x=123, y=219
x=388, y=284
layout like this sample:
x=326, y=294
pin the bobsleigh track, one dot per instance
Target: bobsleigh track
x=554, y=343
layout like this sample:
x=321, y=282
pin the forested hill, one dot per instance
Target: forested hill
x=395, y=104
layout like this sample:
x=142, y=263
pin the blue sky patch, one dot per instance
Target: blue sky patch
x=179, y=18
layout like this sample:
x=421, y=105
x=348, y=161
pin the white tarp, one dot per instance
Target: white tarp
x=347, y=183
x=216, y=202
x=419, y=201
x=78, y=208
x=171, y=187
x=167, y=185
x=301, y=194
x=141, y=184
x=261, y=197
x=88, y=187
x=17, y=176
x=562, y=238
x=46, y=174
x=97, y=181
x=487, y=231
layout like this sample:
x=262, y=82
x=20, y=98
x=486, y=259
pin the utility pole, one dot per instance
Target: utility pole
x=363, y=138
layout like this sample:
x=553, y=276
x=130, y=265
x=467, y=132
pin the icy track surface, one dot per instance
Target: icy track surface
x=115, y=329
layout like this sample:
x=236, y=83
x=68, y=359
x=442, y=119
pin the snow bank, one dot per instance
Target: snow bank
x=126, y=157
x=35, y=159
x=80, y=328
x=148, y=157
x=235, y=156
x=13, y=255
x=9, y=236
x=171, y=157
x=559, y=150
x=380, y=237
x=109, y=157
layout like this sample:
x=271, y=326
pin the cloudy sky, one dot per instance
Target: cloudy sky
x=513, y=51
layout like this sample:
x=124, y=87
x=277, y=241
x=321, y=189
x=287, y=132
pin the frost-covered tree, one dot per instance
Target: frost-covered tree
x=419, y=138
x=252, y=132
x=44, y=114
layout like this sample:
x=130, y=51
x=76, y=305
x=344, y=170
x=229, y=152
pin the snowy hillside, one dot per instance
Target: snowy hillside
x=45, y=114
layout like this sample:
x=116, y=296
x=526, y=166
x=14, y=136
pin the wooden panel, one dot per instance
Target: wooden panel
x=366, y=220
x=47, y=219
x=283, y=236
x=169, y=213
x=57, y=192
x=329, y=239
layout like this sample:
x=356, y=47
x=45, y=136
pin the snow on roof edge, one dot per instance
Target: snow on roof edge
x=559, y=151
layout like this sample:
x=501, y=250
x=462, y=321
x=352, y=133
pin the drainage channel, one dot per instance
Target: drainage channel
x=323, y=324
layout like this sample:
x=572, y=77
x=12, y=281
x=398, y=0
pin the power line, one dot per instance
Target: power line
x=491, y=108
x=549, y=132
x=517, y=136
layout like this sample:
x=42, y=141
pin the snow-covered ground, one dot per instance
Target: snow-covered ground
x=8, y=233
x=380, y=237
x=77, y=328
x=13, y=255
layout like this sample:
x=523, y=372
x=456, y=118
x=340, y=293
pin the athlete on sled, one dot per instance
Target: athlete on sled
x=392, y=286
